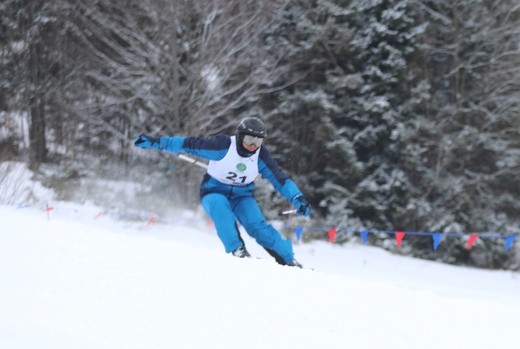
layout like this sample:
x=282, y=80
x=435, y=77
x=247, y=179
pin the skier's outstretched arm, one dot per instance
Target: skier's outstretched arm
x=211, y=148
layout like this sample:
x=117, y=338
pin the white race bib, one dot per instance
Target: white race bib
x=234, y=169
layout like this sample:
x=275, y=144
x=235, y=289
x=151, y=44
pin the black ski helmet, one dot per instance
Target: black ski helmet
x=252, y=126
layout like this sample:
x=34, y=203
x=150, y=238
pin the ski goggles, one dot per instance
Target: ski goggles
x=250, y=140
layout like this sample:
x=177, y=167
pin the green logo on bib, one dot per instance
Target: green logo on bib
x=241, y=167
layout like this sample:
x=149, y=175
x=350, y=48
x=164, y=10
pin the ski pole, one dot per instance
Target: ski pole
x=288, y=212
x=192, y=160
x=189, y=159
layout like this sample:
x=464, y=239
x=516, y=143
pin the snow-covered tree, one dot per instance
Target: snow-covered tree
x=27, y=65
x=343, y=121
x=465, y=149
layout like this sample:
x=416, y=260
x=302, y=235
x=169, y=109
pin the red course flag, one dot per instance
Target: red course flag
x=151, y=220
x=100, y=213
x=399, y=235
x=332, y=235
x=48, y=209
x=471, y=240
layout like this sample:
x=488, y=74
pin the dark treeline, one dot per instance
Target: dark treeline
x=389, y=114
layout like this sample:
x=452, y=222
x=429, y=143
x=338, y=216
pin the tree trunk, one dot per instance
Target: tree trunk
x=37, y=144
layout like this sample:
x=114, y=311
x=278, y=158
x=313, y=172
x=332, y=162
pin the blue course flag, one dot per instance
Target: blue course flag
x=298, y=231
x=509, y=241
x=436, y=240
x=364, y=236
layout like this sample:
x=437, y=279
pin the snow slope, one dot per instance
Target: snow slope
x=76, y=281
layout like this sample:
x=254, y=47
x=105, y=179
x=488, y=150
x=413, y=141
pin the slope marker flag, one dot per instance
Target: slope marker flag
x=436, y=240
x=332, y=235
x=399, y=235
x=364, y=236
x=48, y=209
x=99, y=214
x=298, y=231
x=509, y=241
x=437, y=237
x=471, y=241
x=151, y=220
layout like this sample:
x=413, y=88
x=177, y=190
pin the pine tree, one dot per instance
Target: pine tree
x=465, y=159
x=384, y=46
x=345, y=117
x=310, y=39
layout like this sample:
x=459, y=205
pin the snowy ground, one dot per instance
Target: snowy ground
x=81, y=280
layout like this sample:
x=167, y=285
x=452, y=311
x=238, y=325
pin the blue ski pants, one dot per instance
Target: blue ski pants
x=225, y=211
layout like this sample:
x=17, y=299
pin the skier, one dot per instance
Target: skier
x=227, y=188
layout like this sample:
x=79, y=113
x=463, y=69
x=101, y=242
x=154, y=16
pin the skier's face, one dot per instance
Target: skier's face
x=250, y=147
x=252, y=143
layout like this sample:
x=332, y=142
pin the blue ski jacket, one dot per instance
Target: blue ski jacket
x=215, y=148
